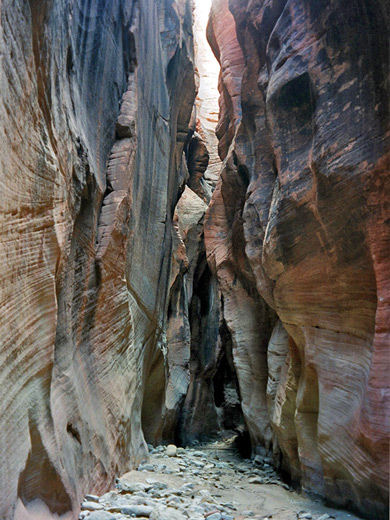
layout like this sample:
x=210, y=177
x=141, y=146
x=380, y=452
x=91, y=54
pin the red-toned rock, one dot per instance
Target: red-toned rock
x=306, y=187
x=221, y=34
x=247, y=317
x=88, y=196
x=206, y=104
x=201, y=400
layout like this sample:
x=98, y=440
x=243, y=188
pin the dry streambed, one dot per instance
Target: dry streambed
x=211, y=483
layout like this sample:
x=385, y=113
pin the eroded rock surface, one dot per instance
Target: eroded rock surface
x=113, y=326
x=298, y=229
x=195, y=393
x=207, y=109
x=84, y=270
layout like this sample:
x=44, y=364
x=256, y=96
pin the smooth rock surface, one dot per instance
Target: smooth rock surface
x=96, y=101
x=299, y=226
x=247, y=320
x=199, y=399
x=171, y=450
x=116, y=330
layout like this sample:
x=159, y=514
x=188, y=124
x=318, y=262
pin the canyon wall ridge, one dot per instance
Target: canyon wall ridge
x=297, y=233
x=96, y=106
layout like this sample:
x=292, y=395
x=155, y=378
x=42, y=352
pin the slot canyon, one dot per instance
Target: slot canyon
x=194, y=253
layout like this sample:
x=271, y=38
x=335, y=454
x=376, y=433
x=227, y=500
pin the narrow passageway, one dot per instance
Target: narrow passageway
x=194, y=260
x=229, y=478
x=192, y=392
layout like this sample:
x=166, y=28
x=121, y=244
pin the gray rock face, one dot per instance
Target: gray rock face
x=96, y=103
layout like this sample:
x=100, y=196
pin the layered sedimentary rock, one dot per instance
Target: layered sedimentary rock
x=87, y=205
x=207, y=109
x=200, y=398
x=249, y=320
x=298, y=229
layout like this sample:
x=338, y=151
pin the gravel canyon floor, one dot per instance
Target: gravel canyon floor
x=210, y=481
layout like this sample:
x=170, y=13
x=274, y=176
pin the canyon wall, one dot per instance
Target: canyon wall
x=135, y=310
x=199, y=400
x=96, y=104
x=297, y=234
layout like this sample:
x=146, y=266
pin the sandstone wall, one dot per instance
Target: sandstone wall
x=207, y=110
x=298, y=231
x=198, y=399
x=84, y=271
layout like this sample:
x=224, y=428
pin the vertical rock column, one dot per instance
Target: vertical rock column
x=248, y=318
x=64, y=68
x=86, y=214
x=298, y=189
x=199, y=397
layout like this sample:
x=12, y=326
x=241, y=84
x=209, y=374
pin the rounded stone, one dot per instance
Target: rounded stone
x=171, y=450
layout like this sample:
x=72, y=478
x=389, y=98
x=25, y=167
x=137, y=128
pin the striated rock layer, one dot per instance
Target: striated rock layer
x=87, y=203
x=199, y=400
x=297, y=233
x=207, y=110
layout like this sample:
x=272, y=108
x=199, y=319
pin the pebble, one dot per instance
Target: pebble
x=166, y=513
x=101, y=515
x=229, y=505
x=198, y=464
x=91, y=506
x=91, y=498
x=156, y=483
x=131, y=487
x=199, y=454
x=171, y=450
x=137, y=510
x=145, y=467
x=256, y=480
x=174, y=501
x=152, y=499
x=108, y=497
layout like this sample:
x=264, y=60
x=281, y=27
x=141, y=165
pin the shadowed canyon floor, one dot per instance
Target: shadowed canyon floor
x=209, y=481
